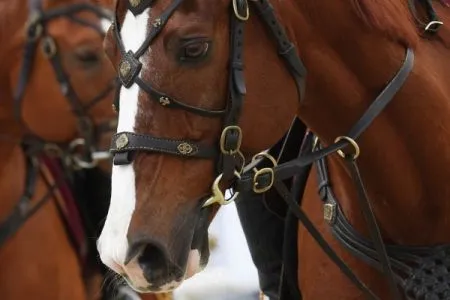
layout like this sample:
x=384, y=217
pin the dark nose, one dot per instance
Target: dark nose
x=153, y=258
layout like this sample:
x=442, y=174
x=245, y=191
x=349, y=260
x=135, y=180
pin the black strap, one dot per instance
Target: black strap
x=24, y=209
x=247, y=182
x=128, y=141
x=289, y=289
x=170, y=102
x=343, y=231
x=286, y=48
x=299, y=213
x=289, y=169
x=366, y=206
x=231, y=138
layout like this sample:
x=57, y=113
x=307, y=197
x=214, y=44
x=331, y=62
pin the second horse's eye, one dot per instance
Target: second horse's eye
x=193, y=51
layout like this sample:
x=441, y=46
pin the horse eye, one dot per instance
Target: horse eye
x=194, y=50
x=88, y=58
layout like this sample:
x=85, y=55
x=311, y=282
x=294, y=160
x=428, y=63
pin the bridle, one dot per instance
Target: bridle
x=34, y=147
x=229, y=158
x=36, y=34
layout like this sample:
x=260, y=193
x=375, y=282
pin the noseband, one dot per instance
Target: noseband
x=36, y=34
x=231, y=162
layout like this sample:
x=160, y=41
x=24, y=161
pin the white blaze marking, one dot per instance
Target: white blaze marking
x=113, y=244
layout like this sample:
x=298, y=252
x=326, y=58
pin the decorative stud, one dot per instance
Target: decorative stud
x=135, y=3
x=138, y=6
x=185, y=148
x=329, y=212
x=121, y=141
x=157, y=22
x=164, y=101
x=124, y=68
x=129, y=68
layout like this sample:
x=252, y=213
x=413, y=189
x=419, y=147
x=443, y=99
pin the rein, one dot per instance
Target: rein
x=230, y=160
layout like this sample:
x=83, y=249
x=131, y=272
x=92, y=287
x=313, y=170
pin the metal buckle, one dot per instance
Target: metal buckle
x=217, y=194
x=223, y=136
x=262, y=172
x=49, y=47
x=238, y=14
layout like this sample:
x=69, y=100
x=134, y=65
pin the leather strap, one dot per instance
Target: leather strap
x=286, y=48
x=300, y=214
x=289, y=169
x=129, y=141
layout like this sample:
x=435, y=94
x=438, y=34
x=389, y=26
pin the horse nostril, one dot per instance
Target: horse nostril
x=153, y=262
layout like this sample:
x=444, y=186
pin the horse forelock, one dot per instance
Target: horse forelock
x=391, y=17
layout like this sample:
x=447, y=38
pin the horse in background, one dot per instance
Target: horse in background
x=223, y=81
x=55, y=126
x=55, y=93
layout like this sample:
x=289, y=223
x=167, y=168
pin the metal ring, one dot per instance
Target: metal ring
x=238, y=15
x=49, y=47
x=351, y=142
x=76, y=157
x=82, y=163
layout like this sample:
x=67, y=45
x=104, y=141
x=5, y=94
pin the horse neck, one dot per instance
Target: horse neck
x=12, y=168
x=12, y=30
x=14, y=14
x=401, y=163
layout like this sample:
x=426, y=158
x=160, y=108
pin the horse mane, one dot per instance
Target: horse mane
x=391, y=17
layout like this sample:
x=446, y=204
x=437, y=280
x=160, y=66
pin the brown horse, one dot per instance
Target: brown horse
x=55, y=117
x=181, y=65
x=56, y=89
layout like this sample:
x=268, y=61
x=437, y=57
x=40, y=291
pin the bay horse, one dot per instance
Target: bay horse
x=206, y=87
x=55, y=89
x=55, y=119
